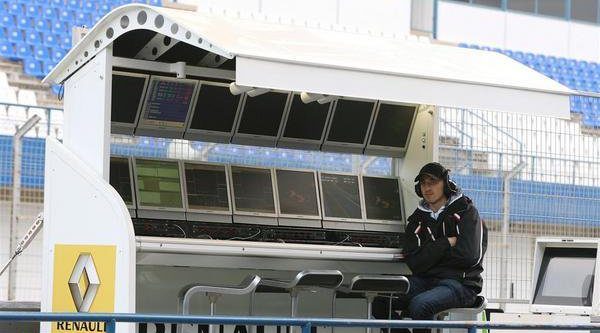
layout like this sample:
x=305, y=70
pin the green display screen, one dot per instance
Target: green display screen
x=159, y=183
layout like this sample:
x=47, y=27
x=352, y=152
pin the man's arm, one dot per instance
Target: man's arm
x=419, y=255
x=469, y=248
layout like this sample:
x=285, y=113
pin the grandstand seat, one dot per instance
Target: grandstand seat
x=7, y=20
x=41, y=25
x=65, y=41
x=41, y=53
x=32, y=67
x=23, y=22
x=32, y=37
x=66, y=15
x=59, y=27
x=23, y=51
x=7, y=50
x=32, y=10
x=48, y=66
x=15, y=8
x=83, y=19
x=49, y=13
x=15, y=35
x=49, y=39
x=57, y=55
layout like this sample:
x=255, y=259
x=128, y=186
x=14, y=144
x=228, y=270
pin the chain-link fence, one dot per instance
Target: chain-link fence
x=535, y=175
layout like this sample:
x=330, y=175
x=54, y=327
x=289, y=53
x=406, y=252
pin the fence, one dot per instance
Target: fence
x=551, y=167
x=306, y=324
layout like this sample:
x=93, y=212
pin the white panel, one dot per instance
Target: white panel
x=87, y=211
x=231, y=6
x=584, y=41
x=389, y=16
x=530, y=33
x=87, y=112
x=420, y=90
x=312, y=11
x=422, y=15
x=461, y=23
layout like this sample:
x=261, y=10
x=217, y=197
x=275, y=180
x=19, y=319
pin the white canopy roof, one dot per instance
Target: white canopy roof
x=297, y=58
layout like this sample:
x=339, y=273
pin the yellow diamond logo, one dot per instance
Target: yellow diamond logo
x=84, y=282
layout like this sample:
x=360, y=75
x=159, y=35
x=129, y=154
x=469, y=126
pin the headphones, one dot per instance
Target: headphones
x=450, y=186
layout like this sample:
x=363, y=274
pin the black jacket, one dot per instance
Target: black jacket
x=428, y=252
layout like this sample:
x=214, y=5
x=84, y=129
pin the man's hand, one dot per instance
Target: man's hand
x=452, y=241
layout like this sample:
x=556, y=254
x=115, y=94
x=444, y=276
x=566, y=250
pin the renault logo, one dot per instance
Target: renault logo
x=84, y=282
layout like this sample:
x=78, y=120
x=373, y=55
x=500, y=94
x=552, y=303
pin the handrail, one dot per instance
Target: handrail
x=110, y=320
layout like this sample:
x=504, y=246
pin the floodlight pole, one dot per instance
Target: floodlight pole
x=16, y=197
x=505, y=228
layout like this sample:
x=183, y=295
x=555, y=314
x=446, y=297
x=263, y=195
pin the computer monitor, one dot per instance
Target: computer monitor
x=127, y=94
x=253, y=195
x=383, y=204
x=159, y=189
x=564, y=276
x=261, y=118
x=166, y=107
x=392, y=129
x=349, y=125
x=215, y=113
x=298, y=198
x=207, y=192
x=341, y=200
x=304, y=125
x=120, y=180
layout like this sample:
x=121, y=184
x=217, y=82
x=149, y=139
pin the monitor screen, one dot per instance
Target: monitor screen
x=253, y=190
x=392, y=125
x=341, y=196
x=120, y=178
x=168, y=102
x=306, y=121
x=215, y=109
x=126, y=96
x=382, y=198
x=158, y=183
x=262, y=114
x=297, y=191
x=566, y=277
x=351, y=121
x=206, y=187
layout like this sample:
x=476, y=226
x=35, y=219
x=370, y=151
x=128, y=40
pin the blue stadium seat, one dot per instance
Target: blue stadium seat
x=7, y=20
x=65, y=41
x=33, y=10
x=41, y=25
x=41, y=53
x=32, y=67
x=57, y=55
x=66, y=15
x=23, y=50
x=82, y=18
x=33, y=37
x=47, y=67
x=15, y=35
x=7, y=49
x=465, y=45
x=89, y=6
x=15, y=8
x=59, y=27
x=49, y=39
x=24, y=22
x=49, y=12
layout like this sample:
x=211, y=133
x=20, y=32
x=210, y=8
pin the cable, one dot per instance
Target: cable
x=182, y=231
x=246, y=238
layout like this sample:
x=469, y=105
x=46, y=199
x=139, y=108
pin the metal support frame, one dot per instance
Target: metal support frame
x=505, y=228
x=16, y=197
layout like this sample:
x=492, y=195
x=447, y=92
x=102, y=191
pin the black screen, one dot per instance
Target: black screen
x=350, y=121
x=566, y=277
x=215, y=109
x=120, y=178
x=392, y=125
x=262, y=114
x=382, y=198
x=168, y=102
x=206, y=187
x=341, y=196
x=126, y=97
x=297, y=192
x=253, y=189
x=306, y=121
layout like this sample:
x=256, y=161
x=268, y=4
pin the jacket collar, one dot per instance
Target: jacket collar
x=424, y=206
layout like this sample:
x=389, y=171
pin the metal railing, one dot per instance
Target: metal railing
x=110, y=320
